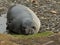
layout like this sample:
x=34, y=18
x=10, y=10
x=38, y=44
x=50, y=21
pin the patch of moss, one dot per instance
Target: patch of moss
x=43, y=34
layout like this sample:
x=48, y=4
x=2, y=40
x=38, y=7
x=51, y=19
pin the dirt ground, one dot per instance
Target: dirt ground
x=49, y=40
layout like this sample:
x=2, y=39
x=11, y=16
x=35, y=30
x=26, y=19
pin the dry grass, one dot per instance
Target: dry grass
x=7, y=39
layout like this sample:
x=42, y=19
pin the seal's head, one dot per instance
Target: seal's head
x=28, y=27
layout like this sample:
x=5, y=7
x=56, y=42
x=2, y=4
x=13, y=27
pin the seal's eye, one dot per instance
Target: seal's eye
x=33, y=27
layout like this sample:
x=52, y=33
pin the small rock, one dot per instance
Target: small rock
x=49, y=42
x=2, y=9
x=52, y=11
x=58, y=2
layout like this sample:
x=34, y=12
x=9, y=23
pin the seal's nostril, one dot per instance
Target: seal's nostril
x=30, y=31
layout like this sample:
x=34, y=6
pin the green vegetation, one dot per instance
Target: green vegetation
x=43, y=34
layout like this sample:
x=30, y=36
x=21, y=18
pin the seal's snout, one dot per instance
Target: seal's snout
x=29, y=31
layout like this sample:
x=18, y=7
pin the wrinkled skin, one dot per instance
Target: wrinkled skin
x=22, y=20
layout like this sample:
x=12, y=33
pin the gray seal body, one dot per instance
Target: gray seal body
x=22, y=20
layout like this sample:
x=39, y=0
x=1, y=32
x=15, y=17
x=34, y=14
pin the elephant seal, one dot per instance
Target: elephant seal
x=22, y=20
